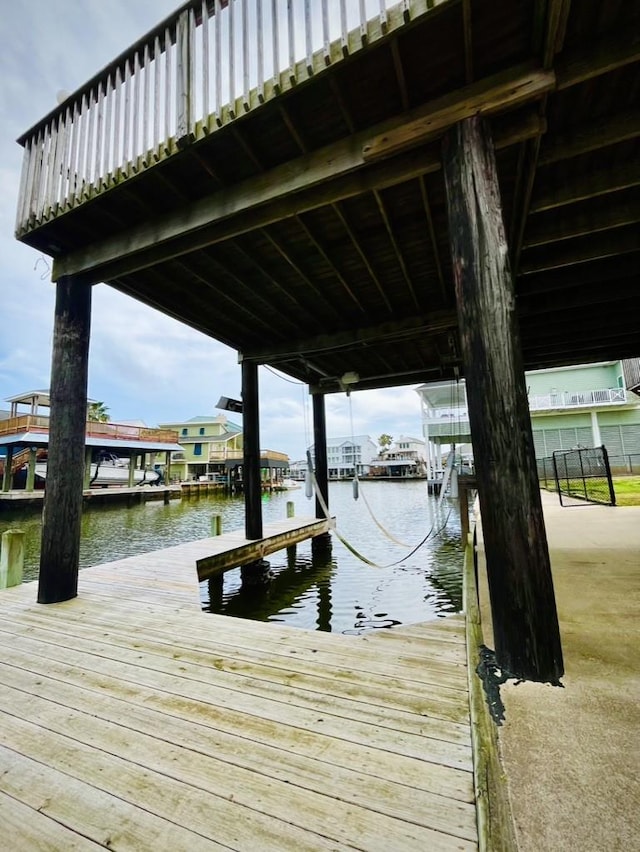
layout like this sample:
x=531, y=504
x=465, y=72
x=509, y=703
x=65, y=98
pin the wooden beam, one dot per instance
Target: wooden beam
x=587, y=219
x=597, y=272
x=492, y=95
x=217, y=563
x=330, y=263
x=581, y=250
x=357, y=338
x=604, y=56
x=525, y=622
x=606, y=131
x=569, y=189
x=323, y=177
x=396, y=247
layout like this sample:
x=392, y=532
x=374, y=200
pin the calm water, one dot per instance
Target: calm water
x=315, y=588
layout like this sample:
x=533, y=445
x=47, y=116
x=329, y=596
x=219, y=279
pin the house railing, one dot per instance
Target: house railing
x=225, y=454
x=38, y=424
x=200, y=68
x=539, y=402
x=573, y=399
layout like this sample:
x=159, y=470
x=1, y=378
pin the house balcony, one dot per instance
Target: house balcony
x=454, y=421
x=225, y=455
x=206, y=64
x=34, y=428
x=578, y=399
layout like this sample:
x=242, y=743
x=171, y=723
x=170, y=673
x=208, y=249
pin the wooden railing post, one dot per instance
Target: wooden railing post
x=11, y=558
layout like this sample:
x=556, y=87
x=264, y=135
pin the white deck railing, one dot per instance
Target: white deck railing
x=573, y=399
x=540, y=402
x=201, y=67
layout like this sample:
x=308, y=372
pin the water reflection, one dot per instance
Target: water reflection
x=303, y=581
x=313, y=587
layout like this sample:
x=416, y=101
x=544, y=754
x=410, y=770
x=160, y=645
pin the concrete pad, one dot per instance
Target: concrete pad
x=572, y=756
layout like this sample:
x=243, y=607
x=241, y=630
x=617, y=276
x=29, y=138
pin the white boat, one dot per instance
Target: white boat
x=111, y=470
x=289, y=484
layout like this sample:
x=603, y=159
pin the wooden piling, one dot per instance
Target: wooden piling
x=320, y=449
x=251, y=463
x=11, y=558
x=62, y=513
x=525, y=622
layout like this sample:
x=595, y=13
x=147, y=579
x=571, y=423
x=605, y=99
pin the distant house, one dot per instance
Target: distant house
x=405, y=457
x=585, y=405
x=24, y=440
x=213, y=446
x=207, y=442
x=347, y=456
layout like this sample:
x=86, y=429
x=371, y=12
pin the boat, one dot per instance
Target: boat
x=111, y=470
x=288, y=484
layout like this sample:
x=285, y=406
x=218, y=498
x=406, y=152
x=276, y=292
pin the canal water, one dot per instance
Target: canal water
x=412, y=539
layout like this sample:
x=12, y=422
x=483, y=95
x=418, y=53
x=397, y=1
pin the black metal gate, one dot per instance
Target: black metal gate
x=583, y=475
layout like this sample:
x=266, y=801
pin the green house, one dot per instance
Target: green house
x=586, y=405
x=210, y=445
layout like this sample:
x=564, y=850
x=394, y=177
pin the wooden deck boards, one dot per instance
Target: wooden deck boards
x=131, y=720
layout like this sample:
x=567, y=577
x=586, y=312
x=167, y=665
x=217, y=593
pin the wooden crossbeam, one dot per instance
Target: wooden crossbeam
x=492, y=95
x=331, y=174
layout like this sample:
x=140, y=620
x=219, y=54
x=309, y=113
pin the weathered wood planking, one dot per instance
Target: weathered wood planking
x=131, y=719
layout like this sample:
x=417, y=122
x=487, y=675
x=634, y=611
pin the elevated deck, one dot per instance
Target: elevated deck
x=132, y=720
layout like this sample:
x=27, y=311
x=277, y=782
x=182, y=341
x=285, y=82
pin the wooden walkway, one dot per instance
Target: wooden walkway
x=131, y=720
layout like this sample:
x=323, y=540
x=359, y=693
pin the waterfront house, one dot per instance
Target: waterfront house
x=24, y=439
x=406, y=457
x=348, y=456
x=212, y=447
x=585, y=405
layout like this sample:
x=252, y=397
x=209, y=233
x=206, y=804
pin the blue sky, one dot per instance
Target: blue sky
x=142, y=365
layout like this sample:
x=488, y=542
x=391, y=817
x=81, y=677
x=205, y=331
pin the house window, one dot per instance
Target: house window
x=197, y=449
x=185, y=431
x=202, y=430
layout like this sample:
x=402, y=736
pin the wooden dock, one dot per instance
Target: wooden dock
x=20, y=498
x=132, y=720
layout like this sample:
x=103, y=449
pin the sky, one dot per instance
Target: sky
x=142, y=365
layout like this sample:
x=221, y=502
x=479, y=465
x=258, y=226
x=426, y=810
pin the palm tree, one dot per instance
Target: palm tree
x=385, y=442
x=97, y=412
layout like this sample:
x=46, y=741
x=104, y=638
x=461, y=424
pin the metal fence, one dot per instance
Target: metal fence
x=623, y=465
x=578, y=475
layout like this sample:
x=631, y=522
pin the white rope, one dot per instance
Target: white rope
x=353, y=550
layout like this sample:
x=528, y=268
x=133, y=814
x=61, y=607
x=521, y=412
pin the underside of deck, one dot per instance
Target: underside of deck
x=306, y=226
x=131, y=720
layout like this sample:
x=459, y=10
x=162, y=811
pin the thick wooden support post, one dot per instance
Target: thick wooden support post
x=62, y=513
x=525, y=622
x=320, y=445
x=11, y=558
x=251, y=463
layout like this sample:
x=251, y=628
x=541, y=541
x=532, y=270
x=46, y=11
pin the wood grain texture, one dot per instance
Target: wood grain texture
x=132, y=720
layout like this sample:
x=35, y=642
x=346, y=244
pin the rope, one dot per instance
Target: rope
x=359, y=555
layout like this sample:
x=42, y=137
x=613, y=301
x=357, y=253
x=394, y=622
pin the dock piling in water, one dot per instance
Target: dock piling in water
x=11, y=558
